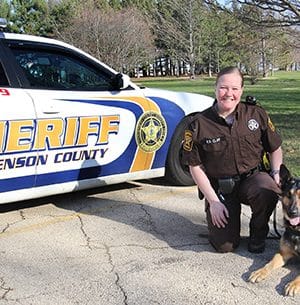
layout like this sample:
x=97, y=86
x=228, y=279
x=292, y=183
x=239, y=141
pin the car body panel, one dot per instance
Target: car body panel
x=56, y=140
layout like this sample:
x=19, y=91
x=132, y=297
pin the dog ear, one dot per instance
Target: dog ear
x=284, y=174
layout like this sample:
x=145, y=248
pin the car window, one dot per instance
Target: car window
x=3, y=78
x=51, y=70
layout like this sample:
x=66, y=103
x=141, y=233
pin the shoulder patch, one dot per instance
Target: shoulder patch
x=188, y=140
x=271, y=125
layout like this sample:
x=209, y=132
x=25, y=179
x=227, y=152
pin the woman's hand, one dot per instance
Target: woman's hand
x=218, y=211
x=219, y=214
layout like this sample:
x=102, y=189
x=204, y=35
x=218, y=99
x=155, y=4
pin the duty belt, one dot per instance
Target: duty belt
x=246, y=175
x=226, y=185
x=241, y=176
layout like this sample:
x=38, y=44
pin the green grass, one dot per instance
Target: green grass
x=278, y=94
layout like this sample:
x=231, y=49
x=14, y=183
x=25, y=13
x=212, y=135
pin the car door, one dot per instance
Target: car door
x=85, y=127
x=18, y=162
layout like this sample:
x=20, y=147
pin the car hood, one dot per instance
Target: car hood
x=189, y=102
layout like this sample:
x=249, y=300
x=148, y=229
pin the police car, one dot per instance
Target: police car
x=70, y=122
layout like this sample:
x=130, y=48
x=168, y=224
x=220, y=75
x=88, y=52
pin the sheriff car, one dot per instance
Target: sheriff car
x=69, y=122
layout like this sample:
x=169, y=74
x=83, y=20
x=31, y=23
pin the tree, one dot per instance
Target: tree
x=178, y=29
x=119, y=38
x=275, y=12
x=31, y=17
x=146, y=6
x=61, y=15
x=283, y=12
x=184, y=35
x=258, y=47
x=4, y=9
x=216, y=34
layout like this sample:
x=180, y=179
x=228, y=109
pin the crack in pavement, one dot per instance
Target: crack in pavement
x=22, y=215
x=243, y=287
x=9, y=225
x=149, y=219
x=5, y=228
x=150, y=222
x=110, y=260
x=180, y=246
x=6, y=289
x=87, y=238
x=117, y=281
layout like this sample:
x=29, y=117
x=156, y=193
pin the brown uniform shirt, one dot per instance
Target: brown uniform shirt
x=224, y=150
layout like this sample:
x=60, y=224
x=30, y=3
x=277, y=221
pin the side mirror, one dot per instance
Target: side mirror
x=121, y=81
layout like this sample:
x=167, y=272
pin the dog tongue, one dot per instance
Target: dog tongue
x=295, y=221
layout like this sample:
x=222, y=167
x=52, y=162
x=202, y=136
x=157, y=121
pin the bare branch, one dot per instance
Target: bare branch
x=276, y=12
x=284, y=12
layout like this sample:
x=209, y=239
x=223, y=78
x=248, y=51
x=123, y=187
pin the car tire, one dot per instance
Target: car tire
x=176, y=172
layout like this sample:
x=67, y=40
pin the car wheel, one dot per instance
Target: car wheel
x=176, y=172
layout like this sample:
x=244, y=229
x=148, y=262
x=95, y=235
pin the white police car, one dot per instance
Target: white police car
x=69, y=122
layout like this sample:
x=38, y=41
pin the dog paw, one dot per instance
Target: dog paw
x=258, y=275
x=293, y=288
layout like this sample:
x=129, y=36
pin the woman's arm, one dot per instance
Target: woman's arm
x=275, y=162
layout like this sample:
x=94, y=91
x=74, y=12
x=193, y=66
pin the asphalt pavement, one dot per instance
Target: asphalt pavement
x=140, y=243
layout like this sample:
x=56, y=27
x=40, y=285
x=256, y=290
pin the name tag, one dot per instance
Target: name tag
x=213, y=140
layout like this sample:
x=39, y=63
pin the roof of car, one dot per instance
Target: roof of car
x=30, y=38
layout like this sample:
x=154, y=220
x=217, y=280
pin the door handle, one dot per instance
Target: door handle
x=50, y=109
x=50, y=112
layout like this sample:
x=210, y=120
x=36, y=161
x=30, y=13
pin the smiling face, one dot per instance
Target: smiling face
x=229, y=89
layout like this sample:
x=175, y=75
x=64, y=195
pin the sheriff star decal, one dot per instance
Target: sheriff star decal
x=151, y=131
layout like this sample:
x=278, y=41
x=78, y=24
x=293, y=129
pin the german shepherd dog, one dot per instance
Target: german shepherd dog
x=290, y=240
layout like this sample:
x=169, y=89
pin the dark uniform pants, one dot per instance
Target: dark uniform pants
x=260, y=192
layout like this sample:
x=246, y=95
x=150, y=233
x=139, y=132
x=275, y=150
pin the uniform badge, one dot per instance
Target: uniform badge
x=188, y=140
x=271, y=125
x=253, y=125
